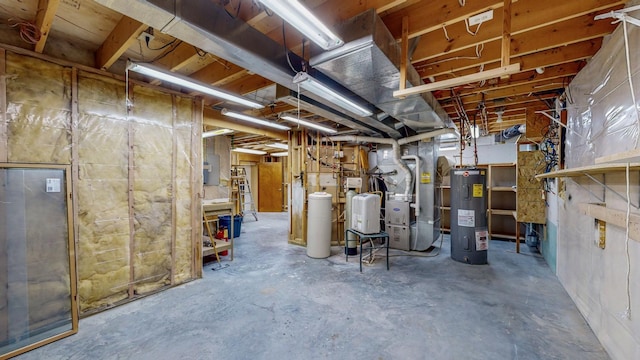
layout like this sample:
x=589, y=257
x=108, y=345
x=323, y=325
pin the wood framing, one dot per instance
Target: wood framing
x=118, y=41
x=446, y=84
x=196, y=187
x=613, y=217
x=404, y=59
x=506, y=33
x=4, y=155
x=44, y=19
x=174, y=185
x=131, y=187
x=75, y=158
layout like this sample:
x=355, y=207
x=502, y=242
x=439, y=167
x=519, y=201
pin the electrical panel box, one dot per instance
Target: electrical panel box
x=399, y=237
x=365, y=213
x=396, y=212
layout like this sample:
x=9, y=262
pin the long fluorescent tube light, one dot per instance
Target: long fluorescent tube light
x=254, y=120
x=320, y=89
x=186, y=82
x=309, y=124
x=302, y=19
x=278, y=154
x=207, y=134
x=249, y=151
x=279, y=146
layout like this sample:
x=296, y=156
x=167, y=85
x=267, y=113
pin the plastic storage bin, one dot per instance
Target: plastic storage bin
x=225, y=222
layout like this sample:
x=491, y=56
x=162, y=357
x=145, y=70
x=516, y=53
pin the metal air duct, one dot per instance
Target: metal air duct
x=369, y=65
x=205, y=24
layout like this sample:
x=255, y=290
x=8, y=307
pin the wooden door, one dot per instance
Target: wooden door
x=270, y=188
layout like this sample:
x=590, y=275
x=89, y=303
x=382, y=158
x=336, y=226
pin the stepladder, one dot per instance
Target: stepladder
x=245, y=197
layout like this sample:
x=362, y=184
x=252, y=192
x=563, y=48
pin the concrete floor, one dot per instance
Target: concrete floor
x=273, y=302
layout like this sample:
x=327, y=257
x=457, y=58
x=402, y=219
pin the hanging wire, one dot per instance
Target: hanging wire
x=286, y=50
x=466, y=23
x=29, y=32
x=446, y=34
x=629, y=74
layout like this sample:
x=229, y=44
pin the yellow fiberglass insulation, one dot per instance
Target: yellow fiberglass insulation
x=121, y=251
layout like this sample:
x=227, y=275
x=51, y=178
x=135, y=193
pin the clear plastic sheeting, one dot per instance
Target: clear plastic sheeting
x=135, y=184
x=35, y=276
x=603, y=120
x=602, y=116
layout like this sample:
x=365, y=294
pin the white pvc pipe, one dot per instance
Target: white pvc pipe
x=416, y=202
x=396, y=153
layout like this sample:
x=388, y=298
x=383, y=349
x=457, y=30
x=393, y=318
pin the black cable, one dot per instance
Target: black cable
x=162, y=47
x=165, y=53
x=199, y=51
x=286, y=51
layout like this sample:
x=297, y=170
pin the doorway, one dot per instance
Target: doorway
x=270, y=187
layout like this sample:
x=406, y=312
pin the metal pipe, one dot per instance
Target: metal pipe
x=428, y=135
x=416, y=203
x=396, y=153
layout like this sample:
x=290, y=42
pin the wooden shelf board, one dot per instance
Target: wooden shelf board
x=444, y=207
x=623, y=157
x=220, y=246
x=502, y=188
x=443, y=187
x=501, y=212
x=591, y=169
x=613, y=217
x=503, y=236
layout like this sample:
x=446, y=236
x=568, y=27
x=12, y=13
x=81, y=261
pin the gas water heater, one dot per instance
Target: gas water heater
x=469, y=232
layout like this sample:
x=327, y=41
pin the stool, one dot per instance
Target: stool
x=361, y=237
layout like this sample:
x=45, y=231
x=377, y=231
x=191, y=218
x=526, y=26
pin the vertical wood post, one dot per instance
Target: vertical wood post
x=404, y=60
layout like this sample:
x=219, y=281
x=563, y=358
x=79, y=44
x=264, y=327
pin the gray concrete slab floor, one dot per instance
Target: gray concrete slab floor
x=274, y=302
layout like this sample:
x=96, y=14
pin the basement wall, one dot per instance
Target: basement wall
x=603, y=120
x=136, y=175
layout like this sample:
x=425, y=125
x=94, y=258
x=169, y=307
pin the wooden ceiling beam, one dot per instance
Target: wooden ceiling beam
x=514, y=102
x=555, y=56
x=119, y=40
x=425, y=17
x=551, y=74
x=555, y=20
x=44, y=19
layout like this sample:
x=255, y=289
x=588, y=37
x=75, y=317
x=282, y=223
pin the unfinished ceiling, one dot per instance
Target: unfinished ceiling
x=242, y=50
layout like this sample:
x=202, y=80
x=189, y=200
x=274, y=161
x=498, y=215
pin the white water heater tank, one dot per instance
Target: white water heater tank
x=365, y=213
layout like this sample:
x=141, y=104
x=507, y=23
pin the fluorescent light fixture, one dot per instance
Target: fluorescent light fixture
x=302, y=19
x=309, y=124
x=278, y=154
x=249, y=151
x=320, y=89
x=254, y=120
x=279, y=146
x=207, y=134
x=192, y=84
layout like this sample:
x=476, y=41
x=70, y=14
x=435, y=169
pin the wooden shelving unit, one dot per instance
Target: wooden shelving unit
x=445, y=207
x=502, y=200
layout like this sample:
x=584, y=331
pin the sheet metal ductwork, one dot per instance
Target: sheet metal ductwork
x=207, y=25
x=369, y=65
